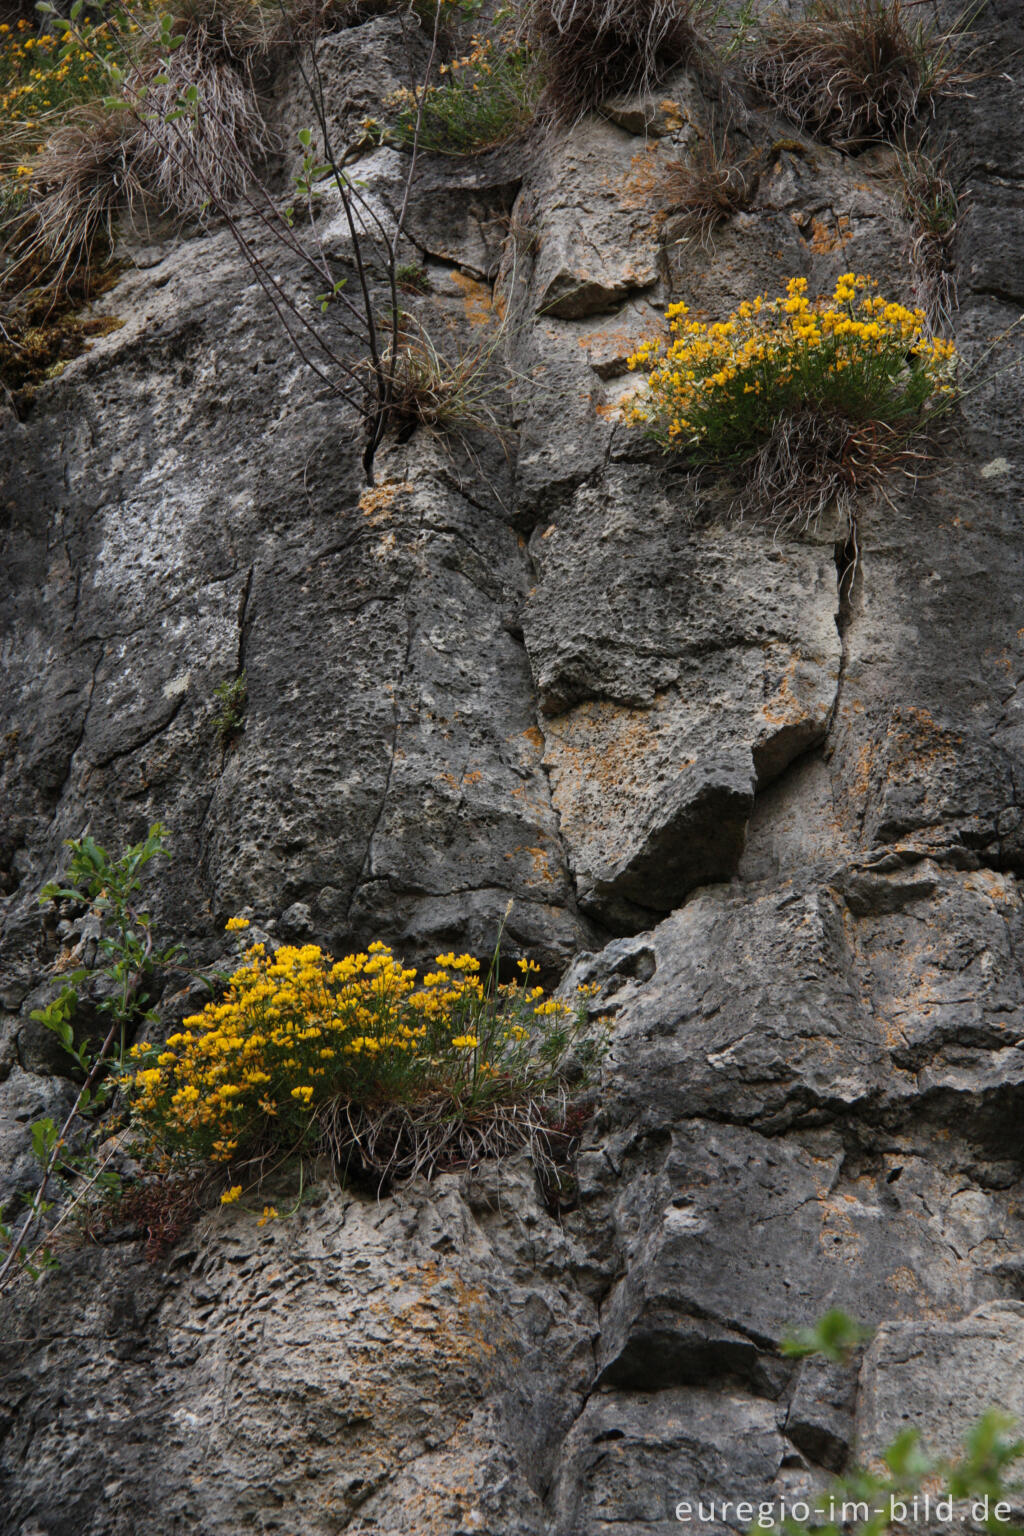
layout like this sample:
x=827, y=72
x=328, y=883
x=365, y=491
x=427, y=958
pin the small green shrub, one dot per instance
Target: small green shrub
x=484, y=98
x=128, y=965
x=836, y=1336
x=110, y=888
x=232, y=696
x=361, y=1059
x=809, y=397
x=410, y=277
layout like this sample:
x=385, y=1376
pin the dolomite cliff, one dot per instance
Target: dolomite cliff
x=775, y=812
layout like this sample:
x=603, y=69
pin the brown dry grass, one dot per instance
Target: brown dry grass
x=206, y=156
x=400, y=1142
x=856, y=72
x=927, y=200
x=710, y=185
x=593, y=49
x=813, y=462
x=83, y=181
x=454, y=392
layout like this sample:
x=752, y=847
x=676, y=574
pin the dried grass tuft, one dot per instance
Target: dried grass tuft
x=814, y=463
x=856, y=72
x=593, y=49
x=927, y=201
x=402, y=1141
x=160, y=1207
x=84, y=179
x=455, y=393
x=711, y=185
x=102, y=168
x=206, y=156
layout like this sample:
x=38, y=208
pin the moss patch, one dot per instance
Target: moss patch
x=47, y=331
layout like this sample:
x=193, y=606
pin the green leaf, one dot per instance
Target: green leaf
x=905, y=1459
x=835, y=1336
x=44, y=1139
x=305, y=137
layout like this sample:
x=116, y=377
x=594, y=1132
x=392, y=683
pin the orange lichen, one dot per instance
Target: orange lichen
x=826, y=238
x=476, y=297
x=377, y=501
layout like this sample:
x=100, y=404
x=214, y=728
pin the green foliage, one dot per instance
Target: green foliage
x=44, y=1139
x=870, y=1501
x=232, y=696
x=127, y=963
x=718, y=390
x=125, y=955
x=32, y=1264
x=483, y=98
x=57, y=1017
x=41, y=79
x=835, y=1336
x=410, y=277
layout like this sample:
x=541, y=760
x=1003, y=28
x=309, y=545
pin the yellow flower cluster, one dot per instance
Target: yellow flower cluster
x=480, y=57
x=297, y=1030
x=39, y=76
x=718, y=389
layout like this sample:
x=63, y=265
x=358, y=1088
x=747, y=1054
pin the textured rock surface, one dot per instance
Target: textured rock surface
x=771, y=805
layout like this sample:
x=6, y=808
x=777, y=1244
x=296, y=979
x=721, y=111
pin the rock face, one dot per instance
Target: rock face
x=770, y=801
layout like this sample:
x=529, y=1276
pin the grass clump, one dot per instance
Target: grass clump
x=855, y=72
x=593, y=49
x=73, y=169
x=455, y=391
x=810, y=397
x=929, y=203
x=362, y=1059
x=710, y=186
x=483, y=98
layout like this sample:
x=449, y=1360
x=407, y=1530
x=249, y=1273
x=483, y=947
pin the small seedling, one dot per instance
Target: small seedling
x=233, y=696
